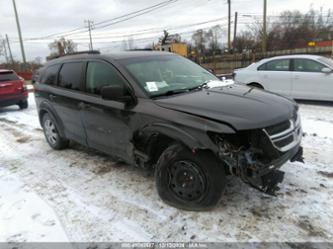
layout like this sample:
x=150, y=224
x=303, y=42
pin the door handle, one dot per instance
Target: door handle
x=296, y=77
x=52, y=97
x=83, y=105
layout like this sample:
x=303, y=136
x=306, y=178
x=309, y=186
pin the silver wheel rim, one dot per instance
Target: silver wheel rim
x=50, y=131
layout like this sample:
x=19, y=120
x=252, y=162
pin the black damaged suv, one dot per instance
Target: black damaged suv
x=159, y=110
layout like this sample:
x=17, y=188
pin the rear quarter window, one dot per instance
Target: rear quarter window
x=70, y=75
x=8, y=76
x=49, y=77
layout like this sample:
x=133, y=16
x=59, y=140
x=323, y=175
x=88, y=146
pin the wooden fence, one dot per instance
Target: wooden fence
x=228, y=62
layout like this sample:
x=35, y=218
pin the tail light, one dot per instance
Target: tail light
x=24, y=88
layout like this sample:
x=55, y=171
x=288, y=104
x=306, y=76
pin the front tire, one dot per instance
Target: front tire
x=188, y=181
x=23, y=104
x=52, y=135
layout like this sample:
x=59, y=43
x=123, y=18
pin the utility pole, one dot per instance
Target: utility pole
x=331, y=38
x=229, y=25
x=5, y=50
x=9, y=49
x=90, y=25
x=235, y=31
x=20, y=34
x=264, y=29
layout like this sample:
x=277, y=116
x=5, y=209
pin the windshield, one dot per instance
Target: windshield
x=8, y=76
x=327, y=61
x=166, y=75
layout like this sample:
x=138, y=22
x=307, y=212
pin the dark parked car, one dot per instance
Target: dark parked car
x=12, y=89
x=159, y=110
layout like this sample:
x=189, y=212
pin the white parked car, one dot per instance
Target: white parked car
x=307, y=77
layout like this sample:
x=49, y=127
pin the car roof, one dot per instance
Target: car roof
x=110, y=56
x=293, y=56
x=135, y=54
x=6, y=71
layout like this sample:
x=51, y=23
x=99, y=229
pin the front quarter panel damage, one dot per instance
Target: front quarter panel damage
x=161, y=127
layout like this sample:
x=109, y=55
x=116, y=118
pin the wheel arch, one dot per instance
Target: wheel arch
x=256, y=84
x=154, y=139
x=46, y=108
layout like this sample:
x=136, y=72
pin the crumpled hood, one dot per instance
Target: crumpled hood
x=240, y=106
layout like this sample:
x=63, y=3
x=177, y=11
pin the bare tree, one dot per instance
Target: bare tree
x=199, y=40
x=246, y=42
x=61, y=47
x=213, y=36
x=164, y=37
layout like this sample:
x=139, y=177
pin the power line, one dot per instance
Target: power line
x=135, y=12
x=154, y=30
x=153, y=37
x=151, y=31
x=129, y=16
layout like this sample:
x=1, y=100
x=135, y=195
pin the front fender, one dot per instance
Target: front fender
x=191, y=137
x=173, y=132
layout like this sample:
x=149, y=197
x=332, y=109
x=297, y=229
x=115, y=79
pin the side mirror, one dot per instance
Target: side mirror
x=326, y=70
x=115, y=93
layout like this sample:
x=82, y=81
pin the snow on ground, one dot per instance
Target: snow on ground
x=79, y=194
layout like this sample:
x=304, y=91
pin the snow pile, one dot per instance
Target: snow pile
x=79, y=194
x=24, y=215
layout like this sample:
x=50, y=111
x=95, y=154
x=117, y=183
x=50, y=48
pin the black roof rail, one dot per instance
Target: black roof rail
x=76, y=53
x=140, y=49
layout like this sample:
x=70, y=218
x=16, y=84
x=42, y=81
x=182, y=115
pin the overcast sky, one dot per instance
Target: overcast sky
x=40, y=18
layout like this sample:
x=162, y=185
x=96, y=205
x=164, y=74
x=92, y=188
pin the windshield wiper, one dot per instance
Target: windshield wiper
x=170, y=92
x=202, y=85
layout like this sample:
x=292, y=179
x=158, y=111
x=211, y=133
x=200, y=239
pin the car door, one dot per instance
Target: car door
x=107, y=123
x=309, y=82
x=66, y=99
x=276, y=76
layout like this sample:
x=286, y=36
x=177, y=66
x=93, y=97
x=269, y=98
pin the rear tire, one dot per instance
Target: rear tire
x=23, y=104
x=51, y=133
x=189, y=181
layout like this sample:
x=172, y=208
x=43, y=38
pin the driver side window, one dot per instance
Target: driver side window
x=99, y=75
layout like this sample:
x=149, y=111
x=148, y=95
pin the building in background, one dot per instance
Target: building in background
x=172, y=43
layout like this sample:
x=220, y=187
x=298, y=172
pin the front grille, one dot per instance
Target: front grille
x=278, y=128
x=285, y=135
x=285, y=141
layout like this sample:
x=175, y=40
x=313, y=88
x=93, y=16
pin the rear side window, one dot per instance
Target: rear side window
x=277, y=65
x=70, y=75
x=50, y=75
x=100, y=74
x=305, y=65
x=8, y=76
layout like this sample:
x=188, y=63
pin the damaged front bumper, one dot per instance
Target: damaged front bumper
x=267, y=178
x=258, y=165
